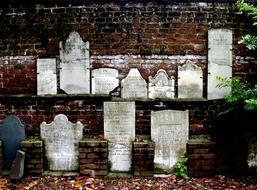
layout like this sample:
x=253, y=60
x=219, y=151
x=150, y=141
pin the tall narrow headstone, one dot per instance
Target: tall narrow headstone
x=61, y=138
x=190, y=81
x=17, y=169
x=219, y=61
x=46, y=76
x=104, y=80
x=161, y=86
x=119, y=130
x=74, y=65
x=12, y=132
x=134, y=86
x=169, y=132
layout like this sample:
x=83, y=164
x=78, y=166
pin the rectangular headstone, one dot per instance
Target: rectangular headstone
x=17, y=169
x=190, y=81
x=219, y=61
x=12, y=132
x=161, y=86
x=134, y=86
x=75, y=65
x=169, y=132
x=119, y=130
x=61, y=138
x=46, y=76
x=104, y=80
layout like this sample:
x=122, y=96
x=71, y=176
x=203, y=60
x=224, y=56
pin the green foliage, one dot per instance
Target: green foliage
x=242, y=94
x=249, y=40
x=181, y=168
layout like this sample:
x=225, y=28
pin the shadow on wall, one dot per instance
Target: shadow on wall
x=234, y=135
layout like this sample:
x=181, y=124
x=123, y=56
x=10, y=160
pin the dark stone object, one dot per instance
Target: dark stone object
x=17, y=169
x=12, y=132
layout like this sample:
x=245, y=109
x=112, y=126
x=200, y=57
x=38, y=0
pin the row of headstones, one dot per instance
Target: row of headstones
x=75, y=73
x=169, y=131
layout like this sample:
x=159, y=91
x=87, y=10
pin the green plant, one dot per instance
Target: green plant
x=242, y=95
x=249, y=40
x=181, y=168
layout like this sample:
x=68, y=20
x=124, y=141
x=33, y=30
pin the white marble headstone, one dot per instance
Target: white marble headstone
x=104, y=80
x=61, y=138
x=219, y=61
x=161, y=86
x=119, y=130
x=74, y=65
x=134, y=86
x=46, y=76
x=169, y=132
x=190, y=81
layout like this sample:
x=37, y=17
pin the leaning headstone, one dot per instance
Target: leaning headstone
x=17, y=169
x=61, y=138
x=219, y=61
x=104, y=80
x=190, y=81
x=12, y=132
x=133, y=86
x=169, y=132
x=46, y=76
x=161, y=86
x=119, y=130
x=74, y=65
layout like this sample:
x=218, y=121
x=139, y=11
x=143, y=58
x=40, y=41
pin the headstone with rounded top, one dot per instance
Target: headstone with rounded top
x=12, y=132
x=61, y=138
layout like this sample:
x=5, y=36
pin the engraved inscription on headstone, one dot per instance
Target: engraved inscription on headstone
x=75, y=68
x=161, y=86
x=190, y=81
x=219, y=61
x=104, y=80
x=133, y=86
x=46, y=76
x=119, y=130
x=61, y=138
x=169, y=132
x=12, y=132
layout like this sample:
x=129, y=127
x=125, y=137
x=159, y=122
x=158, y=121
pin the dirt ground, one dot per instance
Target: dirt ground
x=161, y=183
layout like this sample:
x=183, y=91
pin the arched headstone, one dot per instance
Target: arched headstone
x=61, y=138
x=12, y=132
x=190, y=81
x=161, y=86
x=75, y=65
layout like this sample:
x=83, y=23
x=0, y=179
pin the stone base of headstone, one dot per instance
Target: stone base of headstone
x=60, y=173
x=17, y=170
x=143, y=159
x=34, y=156
x=93, y=157
x=201, y=158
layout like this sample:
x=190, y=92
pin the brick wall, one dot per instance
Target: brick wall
x=143, y=159
x=34, y=149
x=93, y=157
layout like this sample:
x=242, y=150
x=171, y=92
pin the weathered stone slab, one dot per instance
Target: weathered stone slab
x=46, y=76
x=75, y=65
x=133, y=86
x=169, y=132
x=61, y=138
x=104, y=80
x=219, y=61
x=17, y=169
x=190, y=81
x=161, y=86
x=119, y=130
x=12, y=132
